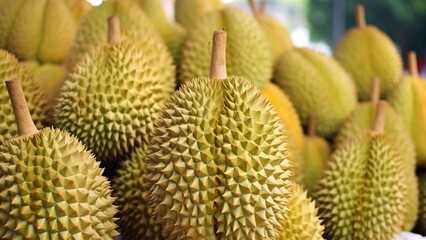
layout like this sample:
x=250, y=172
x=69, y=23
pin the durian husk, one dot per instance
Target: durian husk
x=301, y=220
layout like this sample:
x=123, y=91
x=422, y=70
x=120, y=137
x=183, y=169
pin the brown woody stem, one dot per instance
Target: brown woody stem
x=23, y=119
x=375, y=91
x=379, y=120
x=312, y=126
x=114, y=32
x=360, y=16
x=254, y=8
x=412, y=64
x=218, y=60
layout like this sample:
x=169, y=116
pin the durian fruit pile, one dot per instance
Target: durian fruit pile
x=213, y=126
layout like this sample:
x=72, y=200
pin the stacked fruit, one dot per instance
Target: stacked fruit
x=224, y=156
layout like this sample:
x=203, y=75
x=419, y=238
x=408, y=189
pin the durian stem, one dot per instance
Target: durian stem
x=375, y=91
x=23, y=119
x=412, y=64
x=254, y=8
x=360, y=16
x=262, y=6
x=114, y=31
x=312, y=126
x=218, y=60
x=379, y=120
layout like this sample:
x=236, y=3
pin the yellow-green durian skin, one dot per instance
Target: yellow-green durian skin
x=277, y=36
x=301, y=220
x=366, y=53
x=247, y=51
x=78, y=8
x=135, y=26
x=153, y=9
x=217, y=165
x=189, y=13
x=316, y=85
x=421, y=221
x=110, y=100
x=132, y=199
x=36, y=29
x=290, y=119
x=51, y=187
x=362, y=119
x=9, y=69
x=408, y=99
x=360, y=194
x=316, y=153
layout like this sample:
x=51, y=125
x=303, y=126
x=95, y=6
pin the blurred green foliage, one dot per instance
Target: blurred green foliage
x=403, y=20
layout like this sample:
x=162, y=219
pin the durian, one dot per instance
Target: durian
x=301, y=220
x=277, y=36
x=197, y=9
x=50, y=186
x=49, y=78
x=135, y=26
x=247, y=52
x=316, y=85
x=362, y=191
x=42, y=30
x=173, y=34
x=112, y=97
x=366, y=52
x=135, y=219
x=408, y=99
x=78, y=8
x=361, y=119
x=10, y=68
x=290, y=119
x=217, y=165
x=316, y=153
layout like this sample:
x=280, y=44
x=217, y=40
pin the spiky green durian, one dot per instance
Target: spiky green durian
x=189, y=12
x=248, y=54
x=218, y=164
x=421, y=220
x=366, y=52
x=277, y=36
x=301, y=220
x=51, y=187
x=36, y=29
x=10, y=68
x=290, y=119
x=316, y=153
x=362, y=192
x=111, y=98
x=408, y=99
x=316, y=85
x=132, y=199
x=362, y=119
x=135, y=26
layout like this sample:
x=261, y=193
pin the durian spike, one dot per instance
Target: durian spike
x=114, y=31
x=412, y=64
x=218, y=61
x=23, y=119
x=379, y=121
x=360, y=16
x=262, y=6
x=254, y=8
x=375, y=91
x=312, y=126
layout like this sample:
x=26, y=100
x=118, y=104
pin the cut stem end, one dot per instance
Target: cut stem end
x=218, y=60
x=23, y=119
